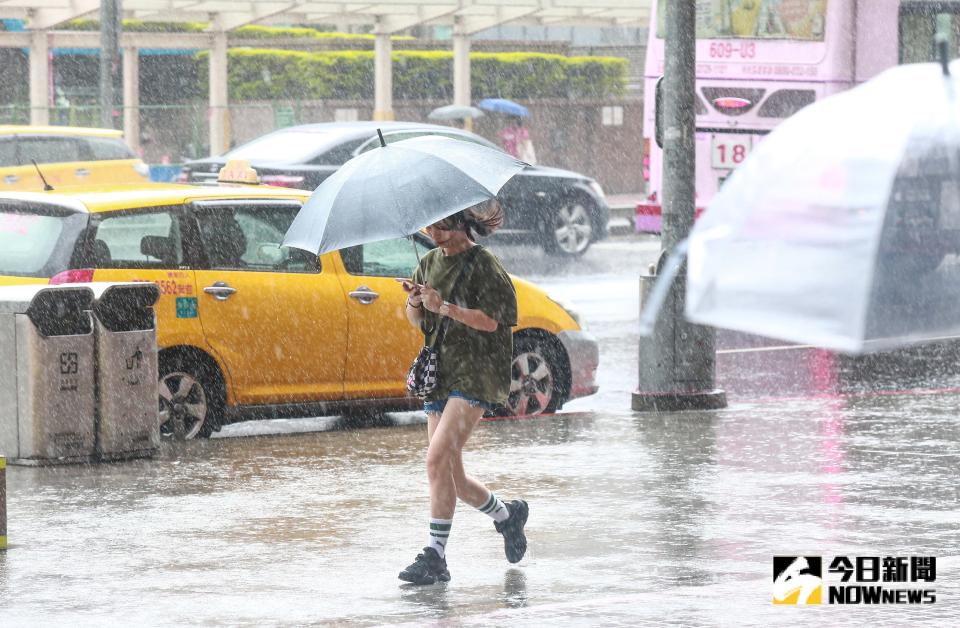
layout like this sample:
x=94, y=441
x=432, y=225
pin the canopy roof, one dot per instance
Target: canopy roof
x=387, y=16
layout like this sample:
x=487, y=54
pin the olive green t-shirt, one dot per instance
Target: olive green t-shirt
x=473, y=362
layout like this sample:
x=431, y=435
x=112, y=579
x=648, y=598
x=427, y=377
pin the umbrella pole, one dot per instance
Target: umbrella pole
x=415, y=251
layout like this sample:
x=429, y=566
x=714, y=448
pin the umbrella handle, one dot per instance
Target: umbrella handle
x=944, y=50
x=413, y=241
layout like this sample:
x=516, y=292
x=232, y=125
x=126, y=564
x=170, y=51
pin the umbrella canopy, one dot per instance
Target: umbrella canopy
x=502, y=105
x=398, y=189
x=455, y=112
x=837, y=230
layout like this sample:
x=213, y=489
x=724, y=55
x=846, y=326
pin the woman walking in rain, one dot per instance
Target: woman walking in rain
x=462, y=286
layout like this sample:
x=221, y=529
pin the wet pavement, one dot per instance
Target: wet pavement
x=635, y=519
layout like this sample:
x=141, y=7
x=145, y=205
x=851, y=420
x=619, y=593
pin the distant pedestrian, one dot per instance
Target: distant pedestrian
x=461, y=292
x=515, y=139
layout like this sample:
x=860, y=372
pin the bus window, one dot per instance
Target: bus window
x=761, y=19
x=786, y=102
x=920, y=22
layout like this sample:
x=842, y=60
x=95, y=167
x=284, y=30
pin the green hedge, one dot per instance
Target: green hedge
x=256, y=31
x=139, y=26
x=261, y=74
x=250, y=31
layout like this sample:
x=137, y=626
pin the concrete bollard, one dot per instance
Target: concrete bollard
x=3, y=503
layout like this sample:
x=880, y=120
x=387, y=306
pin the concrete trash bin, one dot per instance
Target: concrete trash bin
x=128, y=421
x=46, y=374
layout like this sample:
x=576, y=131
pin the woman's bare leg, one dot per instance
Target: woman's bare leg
x=444, y=454
x=470, y=490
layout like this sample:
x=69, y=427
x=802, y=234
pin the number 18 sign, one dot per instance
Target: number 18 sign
x=729, y=151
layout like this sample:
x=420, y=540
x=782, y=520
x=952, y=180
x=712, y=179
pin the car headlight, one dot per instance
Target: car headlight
x=571, y=312
x=593, y=185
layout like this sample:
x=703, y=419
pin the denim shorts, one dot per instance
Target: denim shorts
x=436, y=407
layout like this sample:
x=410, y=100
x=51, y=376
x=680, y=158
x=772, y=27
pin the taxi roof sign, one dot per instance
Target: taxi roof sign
x=238, y=171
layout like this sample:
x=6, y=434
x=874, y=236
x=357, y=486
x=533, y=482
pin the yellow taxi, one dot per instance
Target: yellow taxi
x=65, y=156
x=249, y=328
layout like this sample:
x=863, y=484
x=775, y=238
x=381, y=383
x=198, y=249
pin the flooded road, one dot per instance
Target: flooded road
x=635, y=519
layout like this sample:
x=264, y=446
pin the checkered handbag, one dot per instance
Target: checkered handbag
x=424, y=372
x=422, y=378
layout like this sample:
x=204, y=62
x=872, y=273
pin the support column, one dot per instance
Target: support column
x=219, y=112
x=461, y=74
x=382, y=77
x=110, y=27
x=676, y=366
x=131, y=97
x=39, y=78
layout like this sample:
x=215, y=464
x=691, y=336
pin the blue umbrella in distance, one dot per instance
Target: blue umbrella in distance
x=502, y=105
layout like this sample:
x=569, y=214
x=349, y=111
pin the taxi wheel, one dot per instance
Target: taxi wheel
x=537, y=377
x=191, y=398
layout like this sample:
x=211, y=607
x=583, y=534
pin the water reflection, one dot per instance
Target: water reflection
x=430, y=601
x=515, y=588
x=682, y=449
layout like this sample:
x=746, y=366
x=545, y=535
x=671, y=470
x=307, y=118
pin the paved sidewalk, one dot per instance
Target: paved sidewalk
x=635, y=519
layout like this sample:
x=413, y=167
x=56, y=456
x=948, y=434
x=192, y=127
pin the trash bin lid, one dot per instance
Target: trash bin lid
x=17, y=299
x=125, y=306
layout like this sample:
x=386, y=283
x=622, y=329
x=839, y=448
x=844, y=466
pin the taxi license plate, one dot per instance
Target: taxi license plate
x=729, y=151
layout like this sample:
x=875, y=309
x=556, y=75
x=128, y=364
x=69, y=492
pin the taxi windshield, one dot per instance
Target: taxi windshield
x=36, y=244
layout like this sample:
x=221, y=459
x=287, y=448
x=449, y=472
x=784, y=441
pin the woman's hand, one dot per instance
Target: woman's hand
x=413, y=292
x=431, y=299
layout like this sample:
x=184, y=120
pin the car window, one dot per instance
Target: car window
x=149, y=239
x=8, y=152
x=387, y=258
x=390, y=138
x=48, y=149
x=107, y=148
x=289, y=146
x=250, y=238
x=338, y=155
x=35, y=243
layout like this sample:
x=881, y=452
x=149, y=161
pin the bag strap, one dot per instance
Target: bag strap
x=453, y=293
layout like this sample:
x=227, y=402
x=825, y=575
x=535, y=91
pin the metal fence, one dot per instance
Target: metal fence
x=601, y=138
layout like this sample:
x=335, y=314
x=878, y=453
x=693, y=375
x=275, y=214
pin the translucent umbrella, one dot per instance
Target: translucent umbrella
x=838, y=230
x=397, y=189
x=455, y=112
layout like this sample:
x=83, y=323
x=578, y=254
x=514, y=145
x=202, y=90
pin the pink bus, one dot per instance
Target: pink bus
x=760, y=61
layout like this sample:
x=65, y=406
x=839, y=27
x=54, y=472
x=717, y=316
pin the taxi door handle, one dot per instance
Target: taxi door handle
x=220, y=291
x=364, y=295
x=82, y=172
x=10, y=179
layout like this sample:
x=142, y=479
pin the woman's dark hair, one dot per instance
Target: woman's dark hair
x=479, y=220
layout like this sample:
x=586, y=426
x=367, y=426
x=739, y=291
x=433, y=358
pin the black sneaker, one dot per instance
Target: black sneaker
x=428, y=568
x=514, y=541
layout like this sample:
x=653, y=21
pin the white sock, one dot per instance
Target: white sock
x=439, y=533
x=497, y=510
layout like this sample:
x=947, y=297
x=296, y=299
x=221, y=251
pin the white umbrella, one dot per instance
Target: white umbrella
x=455, y=112
x=837, y=229
x=397, y=189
